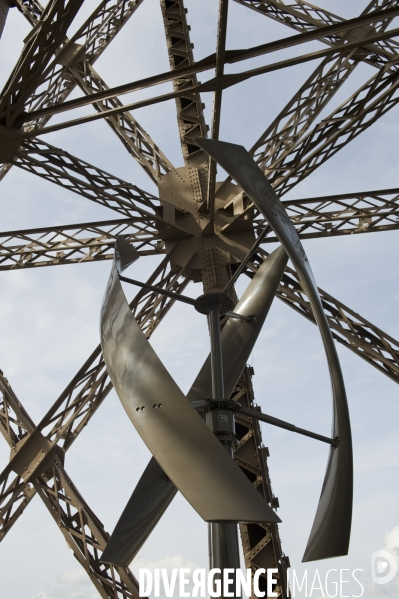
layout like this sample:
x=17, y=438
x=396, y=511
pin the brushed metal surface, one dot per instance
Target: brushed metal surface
x=176, y=435
x=330, y=533
x=238, y=338
x=155, y=490
x=153, y=493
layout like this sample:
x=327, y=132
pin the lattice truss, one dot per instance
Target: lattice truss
x=295, y=144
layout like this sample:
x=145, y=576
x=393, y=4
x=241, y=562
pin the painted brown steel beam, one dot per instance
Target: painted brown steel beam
x=343, y=214
x=82, y=530
x=189, y=107
x=81, y=52
x=376, y=97
x=31, y=9
x=218, y=83
x=84, y=533
x=4, y=8
x=348, y=328
x=70, y=172
x=217, y=107
x=230, y=56
x=15, y=422
x=327, y=216
x=304, y=17
x=38, y=52
x=86, y=45
x=76, y=244
x=74, y=408
x=76, y=68
x=288, y=136
x=136, y=140
x=286, y=132
x=260, y=542
x=91, y=39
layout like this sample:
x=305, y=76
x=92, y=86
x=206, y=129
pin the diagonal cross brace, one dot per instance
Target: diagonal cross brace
x=62, y=424
x=64, y=502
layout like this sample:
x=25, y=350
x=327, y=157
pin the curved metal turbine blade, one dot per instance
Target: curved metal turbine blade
x=149, y=500
x=330, y=533
x=176, y=435
x=238, y=338
x=155, y=490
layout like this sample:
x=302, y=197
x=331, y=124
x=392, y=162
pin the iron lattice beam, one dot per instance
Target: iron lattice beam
x=4, y=7
x=304, y=17
x=347, y=42
x=31, y=9
x=379, y=18
x=288, y=151
x=40, y=48
x=189, y=107
x=136, y=140
x=343, y=214
x=261, y=542
x=218, y=83
x=76, y=244
x=82, y=530
x=374, y=99
x=347, y=326
x=86, y=46
x=287, y=135
x=74, y=408
x=328, y=216
x=76, y=68
x=81, y=177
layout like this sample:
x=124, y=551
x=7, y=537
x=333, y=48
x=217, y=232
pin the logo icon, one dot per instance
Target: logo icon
x=383, y=567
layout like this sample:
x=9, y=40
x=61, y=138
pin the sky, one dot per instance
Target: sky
x=49, y=322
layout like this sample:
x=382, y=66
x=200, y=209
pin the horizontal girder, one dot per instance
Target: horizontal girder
x=327, y=216
x=71, y=244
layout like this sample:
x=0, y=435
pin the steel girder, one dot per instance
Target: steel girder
x=260, y=542
x=289, y=136
x=70, y=172
x=76, y=68
x=71, y=244
x=4, y=6
x=36, y=57
x=303, y=16
x=82, y=530
x=348, y=327
x=118, y=195
x=62, y=424
x=328, y=216
x=189, y=108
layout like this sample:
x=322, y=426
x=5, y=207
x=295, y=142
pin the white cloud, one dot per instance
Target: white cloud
x=390, y=589
x=75, y=577
x=168, y=562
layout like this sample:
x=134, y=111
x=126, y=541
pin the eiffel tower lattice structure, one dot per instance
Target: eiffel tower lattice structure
x=190, y=223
